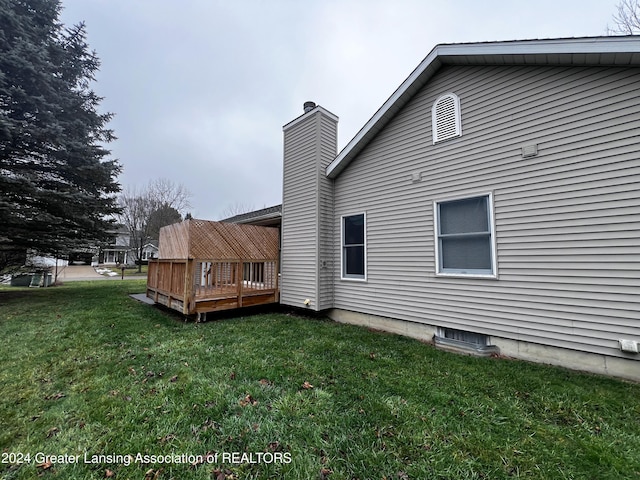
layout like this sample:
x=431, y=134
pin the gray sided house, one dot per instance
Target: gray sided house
x=493, y=202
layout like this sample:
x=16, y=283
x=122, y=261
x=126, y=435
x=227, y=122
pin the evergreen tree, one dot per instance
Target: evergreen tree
x=57, y=186
x=162, y=216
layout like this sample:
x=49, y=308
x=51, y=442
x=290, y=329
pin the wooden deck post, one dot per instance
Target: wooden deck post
x=277, y=277
x=188, y=299
x=170, y=294
x=239, y=281
x=155, y=281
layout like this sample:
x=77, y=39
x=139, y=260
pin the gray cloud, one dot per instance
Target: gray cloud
x=201, y=88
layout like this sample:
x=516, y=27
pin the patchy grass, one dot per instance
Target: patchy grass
x=130, y=270
x=87, y=371
x=133, y=271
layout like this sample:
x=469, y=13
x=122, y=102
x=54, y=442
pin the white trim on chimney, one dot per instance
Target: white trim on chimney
x=317, y=109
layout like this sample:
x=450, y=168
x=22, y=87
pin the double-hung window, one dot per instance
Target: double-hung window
x=465, y=237
x=354, y=247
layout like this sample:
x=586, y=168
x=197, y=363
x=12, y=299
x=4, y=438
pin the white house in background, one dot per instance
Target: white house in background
x=118, y=252
x=492, y=202
x=149, y=252
x=121, y=252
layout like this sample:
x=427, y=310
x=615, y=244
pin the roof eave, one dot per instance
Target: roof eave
x=574, y=51
x=261, y=218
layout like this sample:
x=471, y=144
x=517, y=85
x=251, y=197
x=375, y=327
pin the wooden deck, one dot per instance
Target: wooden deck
x=193, y=287
x=208, y=266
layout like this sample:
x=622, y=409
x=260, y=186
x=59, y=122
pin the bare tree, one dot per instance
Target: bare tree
x=135, y=211
x=169, y=194
x=627, y=19
x=237, y=208
x=144, y=212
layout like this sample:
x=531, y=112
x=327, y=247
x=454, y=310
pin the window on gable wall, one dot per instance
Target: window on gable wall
x=465, y=239
x=353, y=247
x=445, y=118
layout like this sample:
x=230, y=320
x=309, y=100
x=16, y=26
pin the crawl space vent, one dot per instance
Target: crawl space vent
x=461, y=341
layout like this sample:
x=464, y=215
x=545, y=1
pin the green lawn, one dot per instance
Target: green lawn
x=88, y=372
x=134, y=270
x=131, y=270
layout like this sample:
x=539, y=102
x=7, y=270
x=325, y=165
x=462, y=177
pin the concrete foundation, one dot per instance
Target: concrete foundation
x=628, y=369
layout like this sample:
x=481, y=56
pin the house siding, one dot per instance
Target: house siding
x=567, y=220
x=328, y=149
x=309, y=146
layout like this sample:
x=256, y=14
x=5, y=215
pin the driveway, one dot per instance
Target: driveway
x=80, y=272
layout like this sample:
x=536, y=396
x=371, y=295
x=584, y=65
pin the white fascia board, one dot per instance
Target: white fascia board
x=304, y=116
x=260, y=218
x=585, y=45
x=612, y=44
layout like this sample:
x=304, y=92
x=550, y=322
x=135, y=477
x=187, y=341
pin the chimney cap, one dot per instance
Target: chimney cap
x=308, y=106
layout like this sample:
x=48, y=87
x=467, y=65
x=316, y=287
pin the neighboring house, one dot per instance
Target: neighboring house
x=149, y=251
x=492, y=202
x=119, y=251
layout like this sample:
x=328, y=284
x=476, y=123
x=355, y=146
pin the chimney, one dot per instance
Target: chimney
x=307, y=255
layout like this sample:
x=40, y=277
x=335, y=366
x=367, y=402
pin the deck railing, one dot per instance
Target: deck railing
x=213, y=278
x=167, y=276
x=192, y=286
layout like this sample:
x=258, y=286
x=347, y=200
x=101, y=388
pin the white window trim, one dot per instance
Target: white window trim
x=342, y=275
x=458, y=118
x=492, y=230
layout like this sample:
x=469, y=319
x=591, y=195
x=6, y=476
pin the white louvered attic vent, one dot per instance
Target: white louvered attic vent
x=445, y=116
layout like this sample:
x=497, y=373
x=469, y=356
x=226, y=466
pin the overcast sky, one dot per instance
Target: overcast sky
x=200, y=89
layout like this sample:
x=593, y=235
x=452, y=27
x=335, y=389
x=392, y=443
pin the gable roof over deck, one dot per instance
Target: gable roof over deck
x=605, y=51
